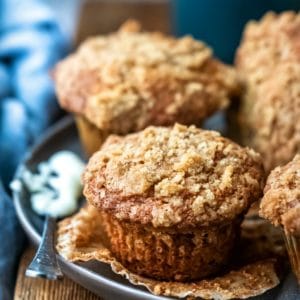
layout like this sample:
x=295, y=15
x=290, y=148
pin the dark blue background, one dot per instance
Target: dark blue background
x=220, y=22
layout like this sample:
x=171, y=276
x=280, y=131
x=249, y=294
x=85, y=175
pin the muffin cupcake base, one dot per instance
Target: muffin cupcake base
x=167, y=254
x=79, y=239
x=91, y=137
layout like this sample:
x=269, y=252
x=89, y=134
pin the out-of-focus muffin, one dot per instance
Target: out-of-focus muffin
x=281, y=206
x=172, y=199
x=128, y=80
x=268, y=61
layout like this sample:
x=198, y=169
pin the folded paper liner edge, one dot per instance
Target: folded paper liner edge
x=78, y=240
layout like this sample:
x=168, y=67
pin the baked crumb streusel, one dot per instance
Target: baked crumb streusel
x=268, y=42
x=181, y=176
x=130, y=79
x=268, y=60
x=281, y=201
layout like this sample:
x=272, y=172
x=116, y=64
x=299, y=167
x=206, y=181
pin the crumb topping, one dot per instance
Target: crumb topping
x=281, y=201
x=130, y=79
x=266, y=43
x=268, y=60
x=181, y=176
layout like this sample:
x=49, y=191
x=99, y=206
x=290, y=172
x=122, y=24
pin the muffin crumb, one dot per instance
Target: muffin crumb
x=281, y=201
x=180, y=176
x=130, y=79
x=268, y=61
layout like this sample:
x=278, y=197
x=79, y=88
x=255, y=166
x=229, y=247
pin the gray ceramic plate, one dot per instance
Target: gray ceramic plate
x=95, y=276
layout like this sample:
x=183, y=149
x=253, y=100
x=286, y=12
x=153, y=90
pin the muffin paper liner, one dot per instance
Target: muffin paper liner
x=91, y=137
x=292, y=243
x=253, y=273
x=170, y=255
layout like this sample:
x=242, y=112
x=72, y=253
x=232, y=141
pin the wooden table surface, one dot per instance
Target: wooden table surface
x=42, y=289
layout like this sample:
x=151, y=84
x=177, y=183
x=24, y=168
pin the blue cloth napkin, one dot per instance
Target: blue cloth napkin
x=30, y=44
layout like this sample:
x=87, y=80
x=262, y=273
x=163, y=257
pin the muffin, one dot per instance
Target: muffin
x=171, y=200
x=281, y=206
x=128, y=80
x=268, y=62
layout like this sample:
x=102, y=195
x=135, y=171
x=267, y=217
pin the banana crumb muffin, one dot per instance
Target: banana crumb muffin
x=172, y=199
x=268, y=61
x=281, y=206
x=130, y=79
x=281, y=201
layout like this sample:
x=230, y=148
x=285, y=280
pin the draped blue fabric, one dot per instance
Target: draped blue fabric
x=30, y=44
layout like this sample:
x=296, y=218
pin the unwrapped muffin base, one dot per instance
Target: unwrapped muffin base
x=78, y=240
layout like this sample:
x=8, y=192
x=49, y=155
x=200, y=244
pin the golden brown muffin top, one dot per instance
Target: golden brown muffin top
x=181, y=176
x=130, y=79
x=274, y=118
x=281, y=201
x=266, y=43
x=269, y=61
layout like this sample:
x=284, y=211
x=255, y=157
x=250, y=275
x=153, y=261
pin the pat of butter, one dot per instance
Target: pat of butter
x=56, y=187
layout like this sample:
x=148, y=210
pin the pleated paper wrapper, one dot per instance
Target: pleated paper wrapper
x=257, y=269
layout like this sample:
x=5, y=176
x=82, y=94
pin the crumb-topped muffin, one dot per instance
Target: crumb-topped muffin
x=172, y=199
x=281, y=206
x=268, y=61
x=281, y=201
x=130, y=79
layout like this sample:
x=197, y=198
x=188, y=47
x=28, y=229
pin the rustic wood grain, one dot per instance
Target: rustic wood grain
x=42, y=289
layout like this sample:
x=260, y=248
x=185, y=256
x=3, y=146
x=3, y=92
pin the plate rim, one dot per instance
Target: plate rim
x=35, y=237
